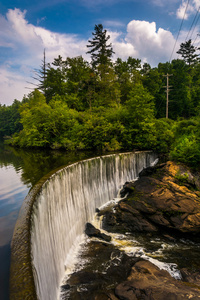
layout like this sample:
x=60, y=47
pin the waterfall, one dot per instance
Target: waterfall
x=66, y=201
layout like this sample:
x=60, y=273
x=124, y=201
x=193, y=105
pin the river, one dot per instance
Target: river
x=19, y=171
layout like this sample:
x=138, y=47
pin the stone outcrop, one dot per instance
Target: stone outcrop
x=168, y=198
x=146, y=281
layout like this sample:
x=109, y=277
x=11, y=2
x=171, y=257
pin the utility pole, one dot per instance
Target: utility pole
x=167, y=91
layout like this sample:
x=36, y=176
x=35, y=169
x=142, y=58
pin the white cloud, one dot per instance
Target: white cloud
x=12, y=86
x=143, y=41
x=184, y=10
x=112, y=23
x=187, y=8
x=25, y=43
x=35, y=38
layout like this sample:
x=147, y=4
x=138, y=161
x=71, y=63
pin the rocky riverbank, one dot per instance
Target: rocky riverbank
x=162, y=205
x=165, y=197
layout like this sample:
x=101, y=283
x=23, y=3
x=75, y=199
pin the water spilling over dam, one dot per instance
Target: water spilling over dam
x=55, y=213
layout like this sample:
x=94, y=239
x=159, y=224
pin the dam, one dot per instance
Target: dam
x=54, y=214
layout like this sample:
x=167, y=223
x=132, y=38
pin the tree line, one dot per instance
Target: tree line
x=110, y=105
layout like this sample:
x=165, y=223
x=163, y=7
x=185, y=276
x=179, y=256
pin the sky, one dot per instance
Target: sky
x=151, y=30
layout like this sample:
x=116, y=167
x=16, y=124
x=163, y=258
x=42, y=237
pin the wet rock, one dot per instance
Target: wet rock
x=147, y=281
x=160, y=201
x=65, y=286
x=105, y=267
x=151, y=170
x=91, y=231
x=169, y=237
x=191, y=277
x=128, y=187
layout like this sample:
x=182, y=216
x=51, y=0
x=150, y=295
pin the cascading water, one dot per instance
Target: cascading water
x=65, y=202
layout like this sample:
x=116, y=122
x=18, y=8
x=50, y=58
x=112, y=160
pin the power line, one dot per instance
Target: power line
x=198, y=34
x=179, y=30
x=193, y=24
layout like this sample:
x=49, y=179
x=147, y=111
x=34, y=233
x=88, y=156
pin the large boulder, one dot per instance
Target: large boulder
x=147, y=281
x=168, y=198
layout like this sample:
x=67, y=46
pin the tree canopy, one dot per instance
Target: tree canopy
x=110, y=105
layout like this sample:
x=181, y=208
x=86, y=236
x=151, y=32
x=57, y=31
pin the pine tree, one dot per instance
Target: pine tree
x=101, y=53
x=40, y=76
x=187, y=51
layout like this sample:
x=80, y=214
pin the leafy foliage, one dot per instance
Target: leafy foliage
x=187, y=150
x=186, y=147
x=108, y=106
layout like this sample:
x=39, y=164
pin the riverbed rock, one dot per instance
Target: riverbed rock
x=168, y=198
x=103, y=267
x=91, y=231
x=191, y=277
x=147, y=281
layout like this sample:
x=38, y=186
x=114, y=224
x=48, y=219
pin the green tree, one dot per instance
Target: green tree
x=107, y=90
x=98, y=132
x=195, y=89
x=40, y=75
x=138, y=119
x=186, y=146
x=55, y=83
x=10, y=119
x=188, y=52
x=47, y=125
x=145, y=69
x=187, y=150
x=80, y=83
x=128, y=75
x=101, y=52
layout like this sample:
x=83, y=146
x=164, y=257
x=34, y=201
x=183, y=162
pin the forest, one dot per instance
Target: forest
x=105, y=105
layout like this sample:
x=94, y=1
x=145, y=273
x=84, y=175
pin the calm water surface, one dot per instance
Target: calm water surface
x=19, y=171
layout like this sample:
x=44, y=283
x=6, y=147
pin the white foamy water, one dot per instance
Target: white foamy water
x=133, y=248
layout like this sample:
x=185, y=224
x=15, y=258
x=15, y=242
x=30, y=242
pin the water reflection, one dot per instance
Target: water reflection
x=33, y=164
x=12, y=194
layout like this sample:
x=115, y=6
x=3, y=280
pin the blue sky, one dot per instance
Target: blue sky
x=144, y=29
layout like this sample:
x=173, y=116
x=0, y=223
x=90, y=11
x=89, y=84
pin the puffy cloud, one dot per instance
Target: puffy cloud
x=33, y=39
x=143, y=41
x=25, y=44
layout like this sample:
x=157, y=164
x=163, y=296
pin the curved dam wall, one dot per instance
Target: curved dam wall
x=54, y=215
